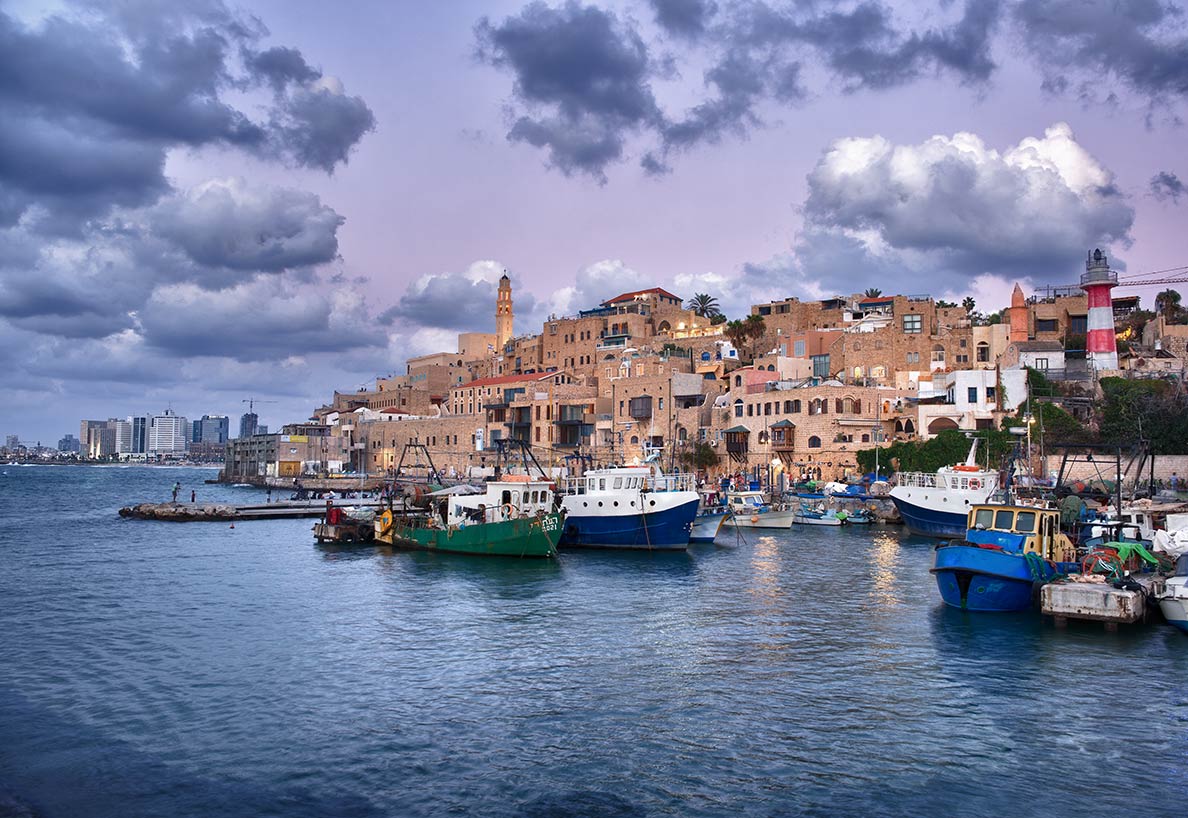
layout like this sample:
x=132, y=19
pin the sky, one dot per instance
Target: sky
x=203, y=202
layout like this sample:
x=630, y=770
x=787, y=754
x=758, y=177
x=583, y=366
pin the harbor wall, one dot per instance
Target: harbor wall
x=1103, y=467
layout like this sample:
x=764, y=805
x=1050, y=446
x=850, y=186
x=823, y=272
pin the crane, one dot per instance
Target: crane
x=1172, y=275
x=251, y=402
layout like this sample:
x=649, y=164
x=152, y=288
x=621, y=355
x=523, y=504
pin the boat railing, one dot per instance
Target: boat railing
x=649, y=482
x=918, y=480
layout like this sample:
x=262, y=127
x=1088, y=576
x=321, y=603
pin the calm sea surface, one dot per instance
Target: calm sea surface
x=156, y=669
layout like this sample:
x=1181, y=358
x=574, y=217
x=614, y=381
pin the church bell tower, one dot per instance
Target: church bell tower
x=504, y=319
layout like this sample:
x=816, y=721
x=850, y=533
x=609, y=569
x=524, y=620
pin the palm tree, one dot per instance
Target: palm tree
x=737, y=332
x=969, y=304
x=756, y=328
x=704, y=305
x=873, y=292
x=1167, y=304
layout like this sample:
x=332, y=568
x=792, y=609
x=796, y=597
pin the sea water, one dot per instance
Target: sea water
x=195, y=669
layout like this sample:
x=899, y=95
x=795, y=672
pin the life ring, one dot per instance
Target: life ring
x=975, y=483
x=509, y=511
x=385, y=521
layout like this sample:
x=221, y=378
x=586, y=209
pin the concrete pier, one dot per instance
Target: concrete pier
x=1101, y=601
x=285, y=509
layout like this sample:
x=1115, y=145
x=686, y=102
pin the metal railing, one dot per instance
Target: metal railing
x=611, y=482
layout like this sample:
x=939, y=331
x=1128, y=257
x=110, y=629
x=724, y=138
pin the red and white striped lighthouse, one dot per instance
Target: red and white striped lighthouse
x=1097, y=282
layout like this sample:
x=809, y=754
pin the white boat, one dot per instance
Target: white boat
x=936, y=505
x=629, y=507
x=816, y=515
x=748, y=509
x=1174, y=599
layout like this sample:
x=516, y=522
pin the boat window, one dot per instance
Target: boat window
x=602, y=484
x=506, y=497
x=1025, y=522
x=618, y=482
x=1002, y=520
x=984, y=518
x=964, y=483
x=591, y=487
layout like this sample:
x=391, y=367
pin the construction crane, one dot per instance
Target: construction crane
x=251, y=402
x=1172, y=275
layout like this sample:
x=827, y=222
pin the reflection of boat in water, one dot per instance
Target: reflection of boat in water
x=512, y=517
x=936, y=505
x=629, y=507
x=748, y=509
x=1007, y=550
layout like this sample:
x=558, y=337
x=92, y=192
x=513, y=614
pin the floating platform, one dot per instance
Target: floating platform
x=346, y=531
x=213, y=512
x=1101, y=601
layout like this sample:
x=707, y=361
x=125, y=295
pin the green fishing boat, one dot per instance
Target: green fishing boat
x=510, y=518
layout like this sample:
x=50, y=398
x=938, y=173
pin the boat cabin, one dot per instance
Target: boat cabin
x=513, y=496
x=745, y=501
x=632, y=479
x=1020, y=530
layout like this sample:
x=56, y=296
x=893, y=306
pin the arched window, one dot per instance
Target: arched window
x=848, y=406
x=814, y=442
x=738, y=380
x=909, y=427
x=788, y=407
x=866, y=438
x=771, y=367
x=635, y=440
x=738, y=408
x=857, y=372
x=983, y=351
x=682, y=434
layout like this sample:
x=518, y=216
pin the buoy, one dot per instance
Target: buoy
x=754, y=518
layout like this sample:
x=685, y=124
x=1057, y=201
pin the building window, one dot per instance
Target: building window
x=1078, y=324
x=913, y=323
x=962, y=344
x=938, y=354
x=820, y=366
x=767, y=408
x=962, y=359
x=913, y=357
x=972, y=394
x=787, y=407
x=1046, y=325
x=738, y=380
x=1041, y=363
x=814, y=442
x=738, y=408
x=795, y=407
x=750, y=410
x=983, y=353
x=991, y=394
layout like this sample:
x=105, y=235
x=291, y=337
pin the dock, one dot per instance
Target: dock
x=216, y=512
x=1101, y=601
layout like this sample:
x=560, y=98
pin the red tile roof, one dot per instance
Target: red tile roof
x=536, y=376
x=631, y=296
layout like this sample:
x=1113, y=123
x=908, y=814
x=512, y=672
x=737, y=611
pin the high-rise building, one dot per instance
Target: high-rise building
x=248, y=423
x=68, y=444
x=211, y=429
x=140, y=427
x=12, y=441
x=167, y=434
x=123, y=430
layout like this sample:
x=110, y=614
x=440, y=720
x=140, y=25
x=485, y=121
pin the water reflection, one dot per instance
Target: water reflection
x=765, y=572
x=884, y=552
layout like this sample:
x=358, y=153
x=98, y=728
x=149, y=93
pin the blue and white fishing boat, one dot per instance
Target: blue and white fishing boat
x=749, y=509
x=1006, y=550
x=936, y=505
x=710, y=516
x=810, y=514
x=629, y=507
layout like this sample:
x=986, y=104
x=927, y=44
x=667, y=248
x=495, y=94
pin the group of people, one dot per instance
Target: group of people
x=177, y=487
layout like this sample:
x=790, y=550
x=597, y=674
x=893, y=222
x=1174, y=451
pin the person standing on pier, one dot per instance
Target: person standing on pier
x=193, y=495
x=176, y=489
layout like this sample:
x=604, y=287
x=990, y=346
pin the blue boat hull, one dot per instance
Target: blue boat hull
x=667, y=530
x=928, y=522
x=984, y=579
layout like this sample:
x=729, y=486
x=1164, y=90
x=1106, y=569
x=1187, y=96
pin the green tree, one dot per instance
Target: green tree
x=756, y=328
x=1150, y=410
x=942, y=304
x=873, y=292
x=701, y=457
x=704, y=304
x=738, y=334
x=1167, y=304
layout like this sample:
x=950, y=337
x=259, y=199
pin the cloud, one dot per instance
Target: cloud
x=581, y=80
x=583, y=76
x=456, y=301
x=92, y=102
x=225, y=223
x=1166, y=185
x=684, y=18
x=594, y=284
x=948, y=209
x=1140, y=43
x=265, y=319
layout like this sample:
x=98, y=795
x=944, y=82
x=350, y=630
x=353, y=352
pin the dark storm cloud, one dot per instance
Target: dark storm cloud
x=1140, y=42
x=1166, y=185
x=581, y=75
x=225, y=223
x=685, y=18
x=92, y=103
x=279, y=66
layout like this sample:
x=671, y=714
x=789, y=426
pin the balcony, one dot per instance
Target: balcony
x=641, y=407
x=783, y=435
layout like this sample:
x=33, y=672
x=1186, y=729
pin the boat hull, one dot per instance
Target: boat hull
x=706, y=527
x=1174, y=603
x=521, y=537
x=802, y=519
x=930, y=522
x=763, y=519
x=665, y=529
x=984, y=579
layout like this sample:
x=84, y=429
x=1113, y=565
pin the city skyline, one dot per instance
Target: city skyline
x=281, y=212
